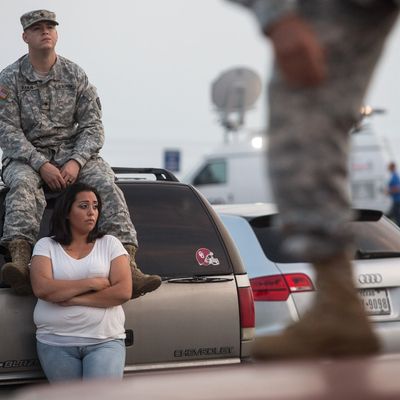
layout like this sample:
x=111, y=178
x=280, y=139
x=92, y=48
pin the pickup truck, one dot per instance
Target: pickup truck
x=203, y=313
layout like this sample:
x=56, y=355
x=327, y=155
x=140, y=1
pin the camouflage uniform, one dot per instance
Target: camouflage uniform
x=308, y=127
x=53, y=119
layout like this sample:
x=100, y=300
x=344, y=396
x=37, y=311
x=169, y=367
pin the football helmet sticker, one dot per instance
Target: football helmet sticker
x=206, y=257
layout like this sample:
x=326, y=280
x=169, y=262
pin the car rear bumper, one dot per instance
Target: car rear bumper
x=389, y=335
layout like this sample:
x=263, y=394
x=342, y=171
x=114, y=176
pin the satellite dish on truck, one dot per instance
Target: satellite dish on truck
x=233, y=93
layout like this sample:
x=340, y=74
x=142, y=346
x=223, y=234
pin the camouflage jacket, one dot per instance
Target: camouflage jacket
x=55, y=119
x=269, y=11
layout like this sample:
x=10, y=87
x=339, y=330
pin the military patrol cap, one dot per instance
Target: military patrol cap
x=31, y=17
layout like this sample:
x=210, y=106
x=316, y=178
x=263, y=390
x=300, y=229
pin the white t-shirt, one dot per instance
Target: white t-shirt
x=80, y=321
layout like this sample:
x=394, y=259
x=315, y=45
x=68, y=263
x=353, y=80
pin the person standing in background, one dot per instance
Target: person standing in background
x=393, y=190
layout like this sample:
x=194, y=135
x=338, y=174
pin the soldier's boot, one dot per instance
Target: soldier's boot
x=141, y=283
x=16, y=272
x=335, y=326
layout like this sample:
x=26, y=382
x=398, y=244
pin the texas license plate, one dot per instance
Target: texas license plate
x=376, y=301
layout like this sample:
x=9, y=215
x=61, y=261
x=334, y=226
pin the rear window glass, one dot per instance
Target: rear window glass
x=379, y=236
x=175, y=232
x=375, y=237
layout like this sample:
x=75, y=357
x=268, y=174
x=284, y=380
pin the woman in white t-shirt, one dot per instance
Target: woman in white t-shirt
x=81, y=277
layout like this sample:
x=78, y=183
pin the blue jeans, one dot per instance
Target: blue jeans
x=65, y=363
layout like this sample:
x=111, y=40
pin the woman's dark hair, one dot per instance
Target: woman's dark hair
x=59, y=224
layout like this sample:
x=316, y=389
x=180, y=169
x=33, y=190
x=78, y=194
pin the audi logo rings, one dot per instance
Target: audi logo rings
x=369, y=278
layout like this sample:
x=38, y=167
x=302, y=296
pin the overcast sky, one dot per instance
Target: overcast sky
x=153, y=63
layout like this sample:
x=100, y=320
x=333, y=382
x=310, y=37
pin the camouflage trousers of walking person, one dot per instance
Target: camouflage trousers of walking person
x=308, y=164
x=309, y=127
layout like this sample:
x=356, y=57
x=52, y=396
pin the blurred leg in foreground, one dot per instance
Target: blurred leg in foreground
x=325, y=52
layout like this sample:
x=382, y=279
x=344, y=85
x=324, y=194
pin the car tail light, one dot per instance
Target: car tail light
x=278, y=287
x=246, y=304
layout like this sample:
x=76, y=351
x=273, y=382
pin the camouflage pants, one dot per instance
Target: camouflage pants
x=25, y=202
x=309, y=127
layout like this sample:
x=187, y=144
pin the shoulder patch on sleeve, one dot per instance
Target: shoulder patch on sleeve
x=4, y=92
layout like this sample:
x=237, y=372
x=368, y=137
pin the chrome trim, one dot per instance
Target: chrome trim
x=186, y=364
x=248, y=334
x=242, y=280
x=365, y=279
x=17, y=378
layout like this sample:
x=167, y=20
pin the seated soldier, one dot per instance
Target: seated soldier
x=51, y=133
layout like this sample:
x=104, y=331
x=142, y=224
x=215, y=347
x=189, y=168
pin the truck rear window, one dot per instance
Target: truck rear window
x=176, y=235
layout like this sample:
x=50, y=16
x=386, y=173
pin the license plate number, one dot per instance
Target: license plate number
x=375, y=301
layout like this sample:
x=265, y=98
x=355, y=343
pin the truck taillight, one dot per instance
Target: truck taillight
x=246, y=304
x=279, y=287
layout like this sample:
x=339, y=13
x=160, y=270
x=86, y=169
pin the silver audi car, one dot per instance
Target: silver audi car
x=283, y=286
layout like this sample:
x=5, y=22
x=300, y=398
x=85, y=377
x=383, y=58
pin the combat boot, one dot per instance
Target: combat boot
x=335, y=326
x=141, y=283
x=16, y=272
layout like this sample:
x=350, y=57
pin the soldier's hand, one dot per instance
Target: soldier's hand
x=299, y=54
x=52, y=176
x=70, y=171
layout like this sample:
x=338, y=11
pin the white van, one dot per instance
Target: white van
x=237, y=173
x=233, y=173
x=369, y=159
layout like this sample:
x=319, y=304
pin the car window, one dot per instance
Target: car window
x=373, y=233
x=213, y=172
x=177, y=237
x=382, y=235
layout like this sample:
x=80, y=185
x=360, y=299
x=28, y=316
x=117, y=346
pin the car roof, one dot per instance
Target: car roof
x=247, y=210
